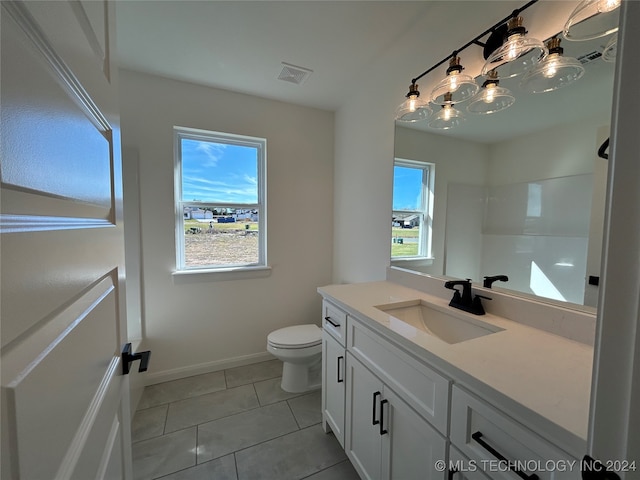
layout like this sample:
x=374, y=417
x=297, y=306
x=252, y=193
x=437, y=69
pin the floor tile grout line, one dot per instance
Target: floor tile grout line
x=326, y=468
x=235, y=459
x=274, y=438
x=164, y=434
x=295, y=419
x=218, y=391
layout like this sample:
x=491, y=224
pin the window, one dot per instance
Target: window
x=220, y=200
x=411, y=222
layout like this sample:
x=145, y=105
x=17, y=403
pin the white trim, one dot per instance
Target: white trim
x=225, y=273
x=615, y=391
x=40, y=223
x=208, y=367
x=425, y=212
x=260, y=144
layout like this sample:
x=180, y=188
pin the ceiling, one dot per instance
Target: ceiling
x=240, y=45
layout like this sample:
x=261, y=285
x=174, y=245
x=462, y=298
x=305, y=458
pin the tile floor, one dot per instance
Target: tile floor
x=236, y=424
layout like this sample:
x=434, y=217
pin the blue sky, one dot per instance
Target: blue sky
x=219, y=173
x=407, y=187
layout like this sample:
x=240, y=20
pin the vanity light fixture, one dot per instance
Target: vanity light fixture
x=460, y=85
x=517, y=54
x=492, y=98
x=414, y=108
x=448, y=117
x=553, y=72
x=592, y=19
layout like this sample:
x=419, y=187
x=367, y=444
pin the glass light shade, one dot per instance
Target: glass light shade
x=413, y=109
x=554, y=72
x=447, y=118
x=461, y=86
x=491, y=99
x=516, y=56
x=592, y=19
x=611, y=49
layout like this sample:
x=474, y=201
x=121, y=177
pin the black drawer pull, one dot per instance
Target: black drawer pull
x=340, y=380
x=382, y=429
x=478, y=438
x=328, y=319
x=375, y=397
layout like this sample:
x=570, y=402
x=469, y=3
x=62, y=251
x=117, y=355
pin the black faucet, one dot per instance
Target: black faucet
x=488, y=281
x=465, y=300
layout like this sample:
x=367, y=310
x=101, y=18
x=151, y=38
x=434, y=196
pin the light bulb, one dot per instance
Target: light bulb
x=453, y=81
x=490, y=93
x=447, y=112
x=512, y=54
x=551, y=66
x=605, y=6
x=412, y=103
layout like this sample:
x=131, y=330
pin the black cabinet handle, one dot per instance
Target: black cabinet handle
x=340, y=380
x=328, y=319
x=478, y=438
x=375, y=397
x=383, y=430
x=452, y=472
x=128, y=358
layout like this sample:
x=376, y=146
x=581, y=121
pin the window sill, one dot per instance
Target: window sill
x=221, y=274
x=421, y=260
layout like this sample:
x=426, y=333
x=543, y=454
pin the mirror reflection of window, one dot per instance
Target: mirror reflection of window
x=412, y=209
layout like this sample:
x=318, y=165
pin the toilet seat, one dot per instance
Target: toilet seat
x=297, y=336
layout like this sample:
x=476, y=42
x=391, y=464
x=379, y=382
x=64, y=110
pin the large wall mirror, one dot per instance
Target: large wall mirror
x=520, y=192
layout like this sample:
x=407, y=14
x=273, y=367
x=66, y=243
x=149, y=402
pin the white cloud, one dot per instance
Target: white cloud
x=213, y=151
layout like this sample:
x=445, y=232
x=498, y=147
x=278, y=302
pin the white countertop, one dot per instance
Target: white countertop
x=548, y=375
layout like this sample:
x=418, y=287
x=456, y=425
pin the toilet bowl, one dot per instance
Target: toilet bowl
x=300, y=349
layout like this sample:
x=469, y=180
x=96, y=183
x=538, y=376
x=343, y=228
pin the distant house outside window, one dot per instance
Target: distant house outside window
x=220, y=197
x=411, y=222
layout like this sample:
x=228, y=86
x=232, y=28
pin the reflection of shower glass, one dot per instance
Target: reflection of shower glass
x=534, y=201
x=610, y=49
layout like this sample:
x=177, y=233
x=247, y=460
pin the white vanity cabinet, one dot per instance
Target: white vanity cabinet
x=401, y=413
x=334, y=323
x=384, y=438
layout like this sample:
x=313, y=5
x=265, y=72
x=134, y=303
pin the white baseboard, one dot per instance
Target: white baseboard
x=189, y=371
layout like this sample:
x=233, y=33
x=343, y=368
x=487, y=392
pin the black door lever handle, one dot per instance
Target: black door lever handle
x=128, y=358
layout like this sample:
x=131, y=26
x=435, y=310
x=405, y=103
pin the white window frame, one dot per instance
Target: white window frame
x=260, y=144
x=425, y=239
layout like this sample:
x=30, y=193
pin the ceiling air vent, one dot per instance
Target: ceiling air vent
x=294, y=74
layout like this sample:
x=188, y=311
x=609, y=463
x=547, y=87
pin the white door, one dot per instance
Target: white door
x=333, y=391
x=65, y=412
x=411, y=447
x=362, y=430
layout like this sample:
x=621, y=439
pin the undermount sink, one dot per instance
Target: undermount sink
x=450, y=327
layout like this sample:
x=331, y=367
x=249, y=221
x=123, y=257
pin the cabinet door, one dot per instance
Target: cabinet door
x=411, y=447
x=333, y=390
x=362, y=428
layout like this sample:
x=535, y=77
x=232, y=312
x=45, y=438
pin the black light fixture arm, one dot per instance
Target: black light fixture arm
x=476, y=40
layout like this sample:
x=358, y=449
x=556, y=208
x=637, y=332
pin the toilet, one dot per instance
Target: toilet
x=300, y=349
